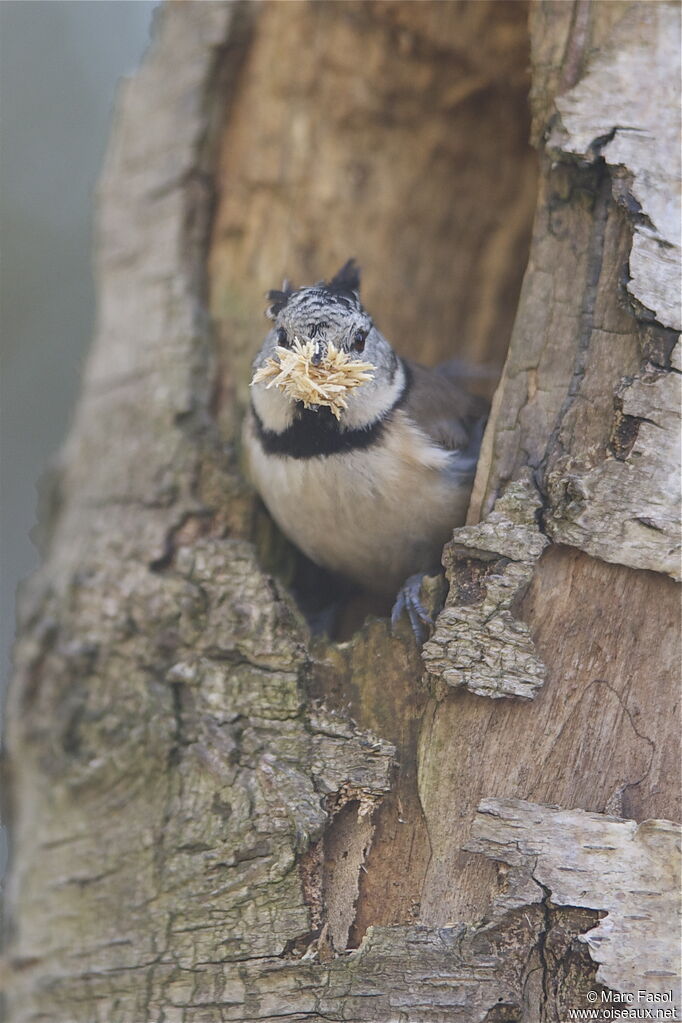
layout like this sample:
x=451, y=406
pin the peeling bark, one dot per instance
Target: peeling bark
x=587, y=399
x=215, y=817
x=478, y=642
x=626, y=869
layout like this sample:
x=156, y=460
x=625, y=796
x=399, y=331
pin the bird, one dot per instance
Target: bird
x=367, y=481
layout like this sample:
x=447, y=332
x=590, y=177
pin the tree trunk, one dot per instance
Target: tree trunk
x=213, y=816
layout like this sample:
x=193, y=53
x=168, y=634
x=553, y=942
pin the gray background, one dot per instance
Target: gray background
x=60, y=63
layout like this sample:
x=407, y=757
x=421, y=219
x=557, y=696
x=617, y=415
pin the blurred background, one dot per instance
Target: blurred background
x=60, y=63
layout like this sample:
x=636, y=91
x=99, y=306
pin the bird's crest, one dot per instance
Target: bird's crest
x=345, y=282
x=347, y=279
x=278, y=299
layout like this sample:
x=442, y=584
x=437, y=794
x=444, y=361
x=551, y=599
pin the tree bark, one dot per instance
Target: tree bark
x=215, y=817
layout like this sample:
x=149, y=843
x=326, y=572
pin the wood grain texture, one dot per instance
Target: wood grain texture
x=591, y=394
x=393, y=132
x=601, y=734
x=589, y=402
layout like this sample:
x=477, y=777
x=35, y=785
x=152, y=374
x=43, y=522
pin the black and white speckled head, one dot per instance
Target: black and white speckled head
x=324, y=313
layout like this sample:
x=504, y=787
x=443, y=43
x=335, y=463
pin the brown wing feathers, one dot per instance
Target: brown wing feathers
x=443, y=409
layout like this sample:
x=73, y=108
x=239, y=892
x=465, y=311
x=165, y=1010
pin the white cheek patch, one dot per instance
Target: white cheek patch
x=274, y=409
x=369, y=402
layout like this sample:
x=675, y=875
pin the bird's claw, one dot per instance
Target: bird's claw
x=409, y=600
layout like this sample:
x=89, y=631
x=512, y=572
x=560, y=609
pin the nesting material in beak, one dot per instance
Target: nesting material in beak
x=294, y=371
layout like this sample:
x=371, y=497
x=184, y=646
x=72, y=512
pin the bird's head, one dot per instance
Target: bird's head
x=327, y=322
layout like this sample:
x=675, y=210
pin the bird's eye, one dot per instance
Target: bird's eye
x=282, y=337
x=359, y=338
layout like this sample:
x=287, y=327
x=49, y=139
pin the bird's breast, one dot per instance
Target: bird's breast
x=376, y=512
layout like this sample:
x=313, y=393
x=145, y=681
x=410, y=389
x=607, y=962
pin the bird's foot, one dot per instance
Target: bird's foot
x=409, y=600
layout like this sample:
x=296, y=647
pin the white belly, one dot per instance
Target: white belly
x=376, y=515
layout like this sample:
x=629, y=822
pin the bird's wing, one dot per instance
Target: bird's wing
x=447, y=413
x=461, y=369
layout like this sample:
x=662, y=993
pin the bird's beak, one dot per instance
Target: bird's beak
x=320, y=352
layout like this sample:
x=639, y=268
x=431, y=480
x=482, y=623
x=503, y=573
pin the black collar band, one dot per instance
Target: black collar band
x=318, y=434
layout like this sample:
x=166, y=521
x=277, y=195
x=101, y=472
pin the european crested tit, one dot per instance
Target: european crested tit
x=372, y=490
